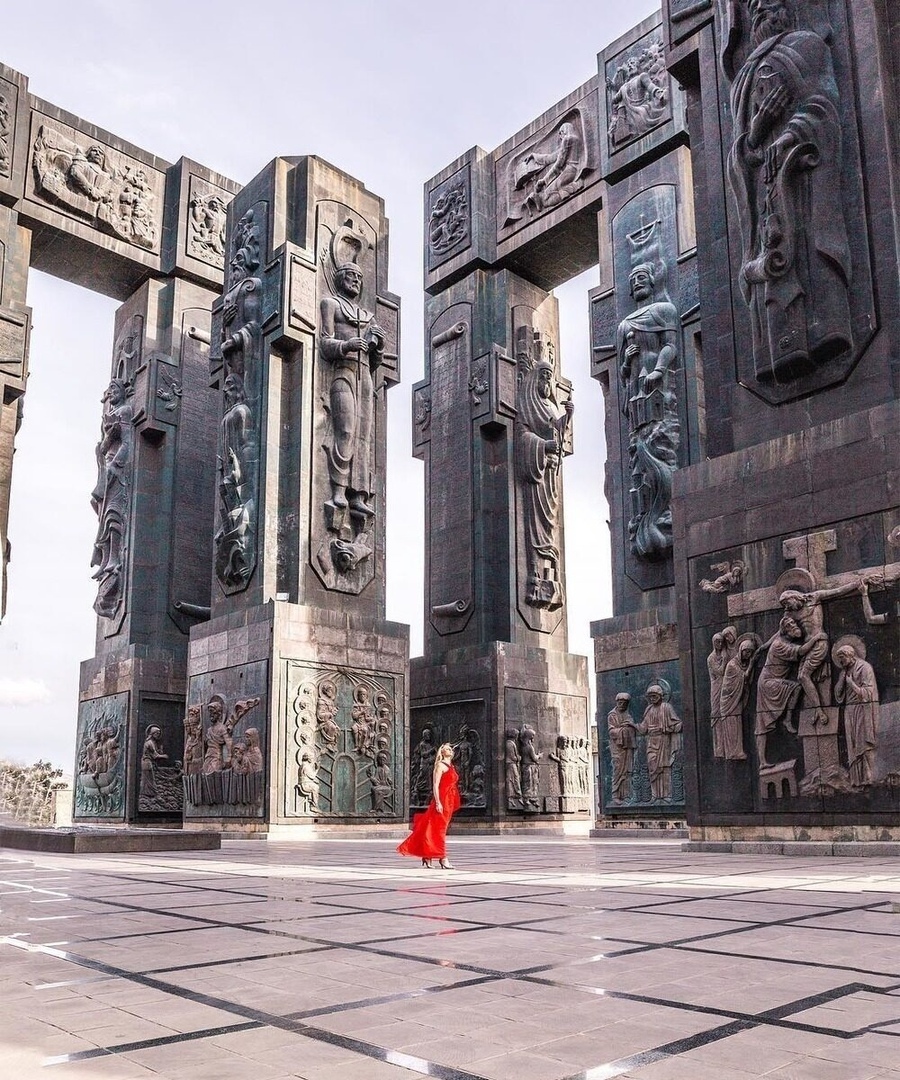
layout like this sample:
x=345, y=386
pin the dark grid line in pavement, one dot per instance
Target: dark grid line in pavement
x=451, y=902
x=775, y=1017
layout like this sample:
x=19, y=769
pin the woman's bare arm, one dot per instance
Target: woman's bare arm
x=439, y=769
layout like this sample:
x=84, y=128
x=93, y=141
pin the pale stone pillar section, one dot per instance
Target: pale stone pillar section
x=15, y=326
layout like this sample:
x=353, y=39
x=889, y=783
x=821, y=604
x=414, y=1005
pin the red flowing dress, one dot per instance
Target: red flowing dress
x=428, y=839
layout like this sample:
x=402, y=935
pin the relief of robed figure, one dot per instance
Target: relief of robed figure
x=111, y=497
x=238, y=452
x=785, y=168
x=541, y=431
x=647, y=348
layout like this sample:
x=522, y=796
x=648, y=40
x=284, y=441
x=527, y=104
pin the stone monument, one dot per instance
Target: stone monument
x=239, y=477
x=494, y=421
x=297, y=692
x=787, y=537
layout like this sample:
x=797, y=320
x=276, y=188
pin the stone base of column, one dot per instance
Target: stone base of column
x=641, y=773
x=122, y=697
x=518, y=719
x=302, y=719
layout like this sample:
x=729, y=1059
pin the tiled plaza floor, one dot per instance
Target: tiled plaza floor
x=534, y=960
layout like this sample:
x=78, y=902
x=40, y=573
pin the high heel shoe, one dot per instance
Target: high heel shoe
x=446, y=865
x=427, y=864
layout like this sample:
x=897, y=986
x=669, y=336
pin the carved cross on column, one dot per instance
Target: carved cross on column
x=810, y=553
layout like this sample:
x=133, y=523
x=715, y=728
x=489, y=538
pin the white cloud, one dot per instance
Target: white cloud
x=20, y=693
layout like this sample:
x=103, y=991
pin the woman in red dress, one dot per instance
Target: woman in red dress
x=428, y=839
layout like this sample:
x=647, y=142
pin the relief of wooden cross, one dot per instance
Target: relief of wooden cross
x=810, y=553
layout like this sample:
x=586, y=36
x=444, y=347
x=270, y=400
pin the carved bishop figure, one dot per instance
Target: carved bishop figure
x=541, y=429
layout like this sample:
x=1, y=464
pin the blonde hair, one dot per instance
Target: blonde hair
x=441, y=751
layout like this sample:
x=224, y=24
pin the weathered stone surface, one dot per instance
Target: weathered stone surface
x=298, y=540
x=153, y=497
x=107, y=841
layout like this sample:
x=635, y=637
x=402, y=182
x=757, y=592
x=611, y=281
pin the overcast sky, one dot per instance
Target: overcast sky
x=390, y=91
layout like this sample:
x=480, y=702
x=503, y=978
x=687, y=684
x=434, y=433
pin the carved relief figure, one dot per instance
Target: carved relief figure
x=541, y=428
x=715, y=664
x=382, y=784
x=785, y=168
x=566, y=758
x=734, y=691
x=118, y=200
x=468, y=758
x=193, y=741
x=622, y=742
x=238, y=457
x=99, y=790
x=252, y=752
x=647, y=347
x=513, y=770
x=778, y=689
x=363, y=722
x=5, y=131
x=530, y=767
x=218, y=737
x=206, y=226
x=237, y=483
x=857, y=690
x=308, y=783
x=111, y=497
x=805, y=605
x=326, y=711
x=420, y=765
x=556, y=176
x=639, y=95
x=152, y=752
x=584, y=767
x=550, y=171
x=423, y=410
x=478, y=380
x=729, y=576
x=662, y=727
x=232, y=768
x=448, y=222
x=353, y=343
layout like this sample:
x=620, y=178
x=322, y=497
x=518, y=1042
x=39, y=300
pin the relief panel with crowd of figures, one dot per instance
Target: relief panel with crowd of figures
x=463, y=725
x=345, y=747
x=226, y=743
x=796, y=660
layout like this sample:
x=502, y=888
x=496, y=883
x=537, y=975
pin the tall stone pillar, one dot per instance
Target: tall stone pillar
x=298, y=685
x=787, y=552
x=15, y=325
x=645, y=335
x=493, y=424
x=154, y=505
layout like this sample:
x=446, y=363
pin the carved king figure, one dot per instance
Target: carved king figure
x=647, y=346
x=353, y=343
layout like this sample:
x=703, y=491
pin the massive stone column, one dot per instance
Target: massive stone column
x=154, y=503
x=787, y=537
x=15, y=317
x=298, y=686
x=15, y=256
x=493, y=424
